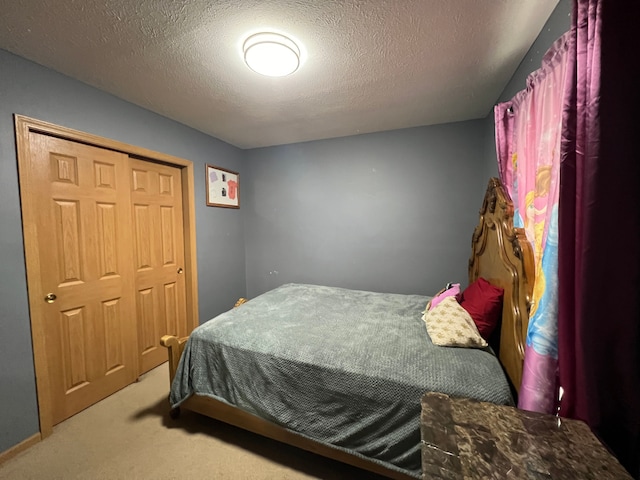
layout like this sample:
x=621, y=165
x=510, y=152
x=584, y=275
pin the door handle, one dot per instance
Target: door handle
x=180, y=271
x=50, y=297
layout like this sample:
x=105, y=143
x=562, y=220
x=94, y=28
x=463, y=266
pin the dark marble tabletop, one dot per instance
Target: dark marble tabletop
x=467, y=439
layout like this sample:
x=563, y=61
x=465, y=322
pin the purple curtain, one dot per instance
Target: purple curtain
x=599, y=229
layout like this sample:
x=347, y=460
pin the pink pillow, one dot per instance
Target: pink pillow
x=452, y=291
x=483, y=301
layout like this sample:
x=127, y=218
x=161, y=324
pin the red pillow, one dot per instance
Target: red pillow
x=483, y=302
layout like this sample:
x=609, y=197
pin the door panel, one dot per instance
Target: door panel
x=72, y=198
x=156, y=196
x=82, y=204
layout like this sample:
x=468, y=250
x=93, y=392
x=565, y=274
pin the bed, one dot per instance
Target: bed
x=341, y=372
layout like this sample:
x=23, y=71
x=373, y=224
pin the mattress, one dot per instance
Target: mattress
x=346, y=368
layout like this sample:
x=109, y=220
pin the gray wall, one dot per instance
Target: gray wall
x=29, y=89
x=559, y=22
x=391, y=211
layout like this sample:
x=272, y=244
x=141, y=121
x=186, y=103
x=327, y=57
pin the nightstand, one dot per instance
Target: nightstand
x=468, y=439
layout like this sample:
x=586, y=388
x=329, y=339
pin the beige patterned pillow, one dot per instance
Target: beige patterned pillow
x=449, y=325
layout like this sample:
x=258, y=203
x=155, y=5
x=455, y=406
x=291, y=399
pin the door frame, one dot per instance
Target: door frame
x=26, y=125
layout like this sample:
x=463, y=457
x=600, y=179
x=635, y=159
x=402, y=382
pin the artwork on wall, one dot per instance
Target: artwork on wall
x=223, y=187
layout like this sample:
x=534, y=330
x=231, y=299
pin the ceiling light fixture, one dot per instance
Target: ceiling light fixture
x=271, y=54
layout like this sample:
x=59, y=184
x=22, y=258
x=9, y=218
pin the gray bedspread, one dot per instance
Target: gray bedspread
x=343, y=367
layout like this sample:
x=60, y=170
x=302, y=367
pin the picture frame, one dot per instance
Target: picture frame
x=223, y=187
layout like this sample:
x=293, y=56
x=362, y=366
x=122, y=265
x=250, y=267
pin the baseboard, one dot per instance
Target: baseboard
x=20, y=447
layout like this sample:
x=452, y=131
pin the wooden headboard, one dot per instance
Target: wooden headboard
x=502, y=255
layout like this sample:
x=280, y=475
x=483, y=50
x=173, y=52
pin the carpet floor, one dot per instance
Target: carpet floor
x=130, y=435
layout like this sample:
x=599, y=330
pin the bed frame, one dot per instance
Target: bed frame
x=499, y=253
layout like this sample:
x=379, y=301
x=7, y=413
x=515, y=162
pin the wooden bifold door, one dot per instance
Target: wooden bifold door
x=105, y=248
x=159, y=258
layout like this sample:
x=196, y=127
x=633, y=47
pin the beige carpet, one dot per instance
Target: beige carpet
x=130, y=436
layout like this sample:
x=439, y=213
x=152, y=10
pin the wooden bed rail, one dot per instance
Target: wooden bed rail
x=175, y=346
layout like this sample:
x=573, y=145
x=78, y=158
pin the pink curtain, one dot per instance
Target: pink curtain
x=599, y=226
x=528, y=134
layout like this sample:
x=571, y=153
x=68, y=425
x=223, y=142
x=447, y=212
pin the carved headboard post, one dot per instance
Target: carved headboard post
x=501, y=254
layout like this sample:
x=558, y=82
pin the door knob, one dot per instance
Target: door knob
x=50, y=298
x=180, y=270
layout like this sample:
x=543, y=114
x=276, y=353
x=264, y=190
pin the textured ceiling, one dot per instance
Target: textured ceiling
x=367, y=66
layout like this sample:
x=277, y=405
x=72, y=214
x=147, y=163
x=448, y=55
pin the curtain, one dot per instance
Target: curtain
x=593, y=226
x=528, y=137
x=599, y=229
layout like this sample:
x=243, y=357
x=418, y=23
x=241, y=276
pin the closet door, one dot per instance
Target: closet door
x=76, y=198
x=158, y=240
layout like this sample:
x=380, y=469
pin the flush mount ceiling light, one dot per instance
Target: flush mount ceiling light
x=271, y=54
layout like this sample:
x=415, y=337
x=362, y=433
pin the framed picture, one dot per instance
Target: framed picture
x=223, y=187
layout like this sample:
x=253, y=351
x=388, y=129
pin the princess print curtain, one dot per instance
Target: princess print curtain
x=528, y=136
